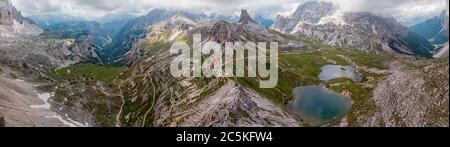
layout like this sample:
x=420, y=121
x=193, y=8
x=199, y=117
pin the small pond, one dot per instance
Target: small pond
x=330, y=72
x=317, y=105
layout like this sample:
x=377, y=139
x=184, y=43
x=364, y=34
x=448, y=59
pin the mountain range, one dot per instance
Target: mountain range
x=434, y=29
x=329, y=24
x=82, y=73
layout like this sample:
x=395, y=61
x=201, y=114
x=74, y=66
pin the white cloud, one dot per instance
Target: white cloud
x=404, y=10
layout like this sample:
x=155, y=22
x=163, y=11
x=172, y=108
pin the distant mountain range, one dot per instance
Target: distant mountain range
x=323, y=21
x=117, y=72
x=359, y=30
x=103, y=33
x=434, y=29
x=45, y=20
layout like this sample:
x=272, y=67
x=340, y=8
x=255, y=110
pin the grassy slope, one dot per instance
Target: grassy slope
x=100, y=73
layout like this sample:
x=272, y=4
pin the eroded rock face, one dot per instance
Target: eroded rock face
x=5, y=18
x=225, y=32
x=236, y=106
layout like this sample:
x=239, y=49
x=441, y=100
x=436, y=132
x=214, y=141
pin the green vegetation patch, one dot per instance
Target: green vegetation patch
x=63, y=34
x=100, y=73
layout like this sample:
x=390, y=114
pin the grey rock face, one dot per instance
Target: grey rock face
x=414, y=98
x=237, y=106
x=12, y=23
x=6, y=12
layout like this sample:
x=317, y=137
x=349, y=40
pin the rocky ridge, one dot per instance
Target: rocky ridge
x=12, y=23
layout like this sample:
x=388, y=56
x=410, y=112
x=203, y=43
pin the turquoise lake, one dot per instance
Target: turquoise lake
x=317, y=105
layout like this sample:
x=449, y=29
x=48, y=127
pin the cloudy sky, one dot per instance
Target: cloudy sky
x=405, y=11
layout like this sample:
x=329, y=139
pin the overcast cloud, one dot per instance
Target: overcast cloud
x=404, y=10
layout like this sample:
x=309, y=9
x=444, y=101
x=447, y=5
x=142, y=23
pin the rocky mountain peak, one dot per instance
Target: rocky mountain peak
x=312, y=12
x=12, y=23
x=245, y=17
x=6, y=17
x=180, y=14
x=6, y=12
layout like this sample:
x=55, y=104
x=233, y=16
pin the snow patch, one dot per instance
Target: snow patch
x=66, y=120
x=336, y=18
x=69, y=122
x=44, y=97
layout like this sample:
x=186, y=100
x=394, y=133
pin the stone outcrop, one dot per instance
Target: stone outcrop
x=245, y=17
x=5, y=17
x=13, y=24
x=225, y=32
